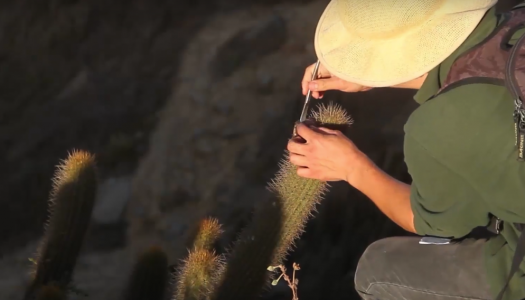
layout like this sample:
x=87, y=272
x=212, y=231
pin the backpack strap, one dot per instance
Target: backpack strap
x=496, y=226
x=519, y=254
x=515, y=80
x=521, y=5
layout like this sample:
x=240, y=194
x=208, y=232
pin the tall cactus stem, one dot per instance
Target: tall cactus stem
x=199, y=275
x=50, y=292
x=149, y=278
x=277, y=223
x=200, y=271
x=209, y=231
x=70, y=206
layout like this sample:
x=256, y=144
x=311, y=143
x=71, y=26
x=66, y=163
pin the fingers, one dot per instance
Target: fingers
x=305, y=132
x=306, y=173
x=298, y=160
x=299, y=144
x=296, y=147
x=321, y=85
x=310, y=122
x=307, y=77
x=330, y=131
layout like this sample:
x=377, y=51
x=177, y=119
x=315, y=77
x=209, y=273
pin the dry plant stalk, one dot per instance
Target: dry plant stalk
x=292, y=283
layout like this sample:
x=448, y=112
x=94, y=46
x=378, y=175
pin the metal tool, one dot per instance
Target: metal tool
x=306, y=105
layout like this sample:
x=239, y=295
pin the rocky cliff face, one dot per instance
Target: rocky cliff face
x=188, y=106
x=83, y=74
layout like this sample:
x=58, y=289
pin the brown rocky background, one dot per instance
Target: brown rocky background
x=188, y=106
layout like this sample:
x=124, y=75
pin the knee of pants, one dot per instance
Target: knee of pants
x=372, y=264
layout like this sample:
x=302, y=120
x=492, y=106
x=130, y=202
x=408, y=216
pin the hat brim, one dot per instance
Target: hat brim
x=388, y=62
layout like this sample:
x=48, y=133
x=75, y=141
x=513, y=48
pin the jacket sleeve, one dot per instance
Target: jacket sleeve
x=443, y=203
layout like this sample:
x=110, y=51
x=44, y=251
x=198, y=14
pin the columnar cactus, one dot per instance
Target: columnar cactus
x=204, y=275
x=200, y=271
x=70, y=206
x=208, y=232
x=277, y=223
x=50, y=292
x=149, y=277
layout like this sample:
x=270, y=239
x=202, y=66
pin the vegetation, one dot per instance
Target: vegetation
x=70, y=207
x=242, y=273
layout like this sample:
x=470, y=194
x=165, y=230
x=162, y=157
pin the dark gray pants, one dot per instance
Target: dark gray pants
x=400, y=268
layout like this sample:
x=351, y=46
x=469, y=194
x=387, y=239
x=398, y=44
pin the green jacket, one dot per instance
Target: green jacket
x=459, y=149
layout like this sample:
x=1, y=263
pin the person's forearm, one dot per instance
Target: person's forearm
x=391, y=196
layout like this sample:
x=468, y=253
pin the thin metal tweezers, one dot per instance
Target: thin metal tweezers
x=306, y=105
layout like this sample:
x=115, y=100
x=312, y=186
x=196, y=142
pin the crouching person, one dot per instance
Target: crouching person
x=464, y=145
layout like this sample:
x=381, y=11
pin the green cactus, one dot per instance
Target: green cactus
x=277, y=223
x=204, y=275
x=201, y=270
x=70, y=207
x=199, y=275
x=332, y=115
x=50, y=292
x=208, y=232
x=149, y=278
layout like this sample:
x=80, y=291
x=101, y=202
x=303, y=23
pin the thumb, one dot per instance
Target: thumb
x=329, y=131
x=305, y=131
x=320, y=85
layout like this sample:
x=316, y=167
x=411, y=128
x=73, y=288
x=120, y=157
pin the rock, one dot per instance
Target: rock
x=108, y=229
x=223, y=107
x=247, y=45
x=206, y=146
x=113, y=195
x=79, y=82
x=106, y=237
x=185, y=164
x=265, y=83
x=199, y=132
x=178, y=196
x=233, y=131
x=270, y=115
x=198, y=97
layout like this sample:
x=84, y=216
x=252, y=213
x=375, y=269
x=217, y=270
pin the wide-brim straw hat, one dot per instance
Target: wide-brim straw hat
x=379, y=43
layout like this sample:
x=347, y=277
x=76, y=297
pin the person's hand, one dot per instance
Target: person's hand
x=326, y=81
x=327, y=155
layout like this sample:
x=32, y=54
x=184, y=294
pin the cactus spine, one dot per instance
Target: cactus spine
x=200, y=271
x=331, y=115
x=149, y=278
x=70, y=206
x=277, y=223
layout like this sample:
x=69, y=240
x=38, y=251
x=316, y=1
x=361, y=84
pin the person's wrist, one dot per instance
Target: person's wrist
x=359, y=169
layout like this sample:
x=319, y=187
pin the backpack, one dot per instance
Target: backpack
x=494, y=61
